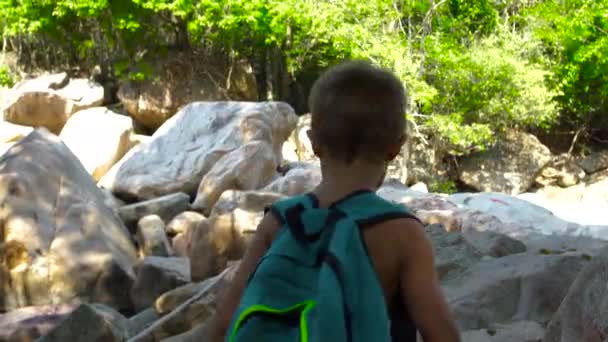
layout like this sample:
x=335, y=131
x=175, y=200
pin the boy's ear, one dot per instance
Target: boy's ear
x=313, y=142
x=396, y=149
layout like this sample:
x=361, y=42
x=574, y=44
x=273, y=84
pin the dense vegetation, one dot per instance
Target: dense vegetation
x=472, y=67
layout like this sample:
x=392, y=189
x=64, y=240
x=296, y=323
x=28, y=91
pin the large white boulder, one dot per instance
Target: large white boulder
x=188, y=145
x=59, y=242
x=98, y=137
x=49, y=101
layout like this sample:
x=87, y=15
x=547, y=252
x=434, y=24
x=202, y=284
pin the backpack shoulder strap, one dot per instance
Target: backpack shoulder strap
x=294, y=212
x=281, y=208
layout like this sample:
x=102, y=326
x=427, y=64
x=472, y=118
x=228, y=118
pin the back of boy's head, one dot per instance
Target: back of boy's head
x=358, y=112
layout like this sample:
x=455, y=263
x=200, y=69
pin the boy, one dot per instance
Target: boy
x=357, y=128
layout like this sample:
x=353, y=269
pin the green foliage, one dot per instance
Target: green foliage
x=472, y=68
x=442, y=186
x=487, y=88
x=575, y=33
x=7, y=79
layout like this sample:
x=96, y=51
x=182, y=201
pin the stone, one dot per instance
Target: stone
x=4, y=93
x=157, y=275
x=595, y=162
x=249, y=167
x=583, y=204
x=561, y=171
x=111, y=201
x=98, y=137
x=253, y=201
x=184, y=222
x=495, y=214
x=181, y=78
x=453, y=254
x=49, y=101
x=512, y=288
x=420, y=187
x=60, y=241
x=11, y=133
x=582, y=314
x=494, y=244
x=521, y=213
x=143, y=320
x=91, y=323
x=196, y=313
x=152, y=238
x=182, y=242
x=221, y=239
x=511, y=166
x=166, y=207
x=5, y=147
x=298, y=179
x=189, y=144
x=298, y=146
x=522, y=331
x=420, y=160
x=32, y=322
x=196, y=334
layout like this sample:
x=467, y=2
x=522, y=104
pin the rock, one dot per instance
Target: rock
x=582, y=313
x=4, y=93
x=112, y=202
x=253, y=201
x=170, y=300
x=137, y=139
x=196, y=313
x=420, y=187
x=453, y=254
x=91, y=323
x=188, y=145
x=562, y=172
x=298, y=146
x=181, y=78
x=5, y=147
x=184, y=227
x=196, y=334
x=98, y=137
x=221, y=239
x=494, y=244
x=60, y=241
x=143, y=320
x=493, y=213
x=29, y=323
x=523, y=331
x=157, y=275
x=166, y=207
x=184, y=222
x=511, y=166
x=298, y=179
x=182, y=243
x=10, y=132
x=595, y=162
x=522, y=213
x=152, y=238
x=420, y=160
x=49, y=101
x=512, y=288
x=583, y=204
x=247, y=168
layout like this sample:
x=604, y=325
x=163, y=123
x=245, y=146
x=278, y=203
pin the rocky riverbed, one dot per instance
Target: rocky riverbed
x=109, y=235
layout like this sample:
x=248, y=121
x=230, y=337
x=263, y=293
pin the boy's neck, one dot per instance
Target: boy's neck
x=341, y=179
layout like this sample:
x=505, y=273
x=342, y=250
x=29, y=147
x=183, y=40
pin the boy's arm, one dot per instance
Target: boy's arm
x=420, y=288
x=230, y=299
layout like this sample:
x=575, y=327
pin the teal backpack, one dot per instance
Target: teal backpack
x=316, y=282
